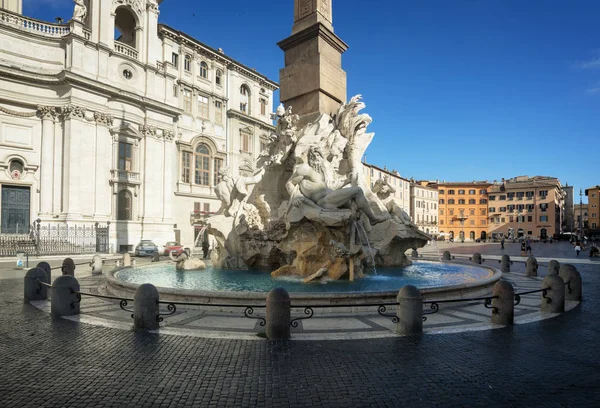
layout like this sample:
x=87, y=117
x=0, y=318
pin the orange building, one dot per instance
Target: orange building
x=463, y=210
x=593, y=195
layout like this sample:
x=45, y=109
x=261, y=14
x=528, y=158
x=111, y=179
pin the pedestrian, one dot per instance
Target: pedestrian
x=577, y=249
x=502, y=243
x=204, y=249
x=523, y=253
x=528, y=246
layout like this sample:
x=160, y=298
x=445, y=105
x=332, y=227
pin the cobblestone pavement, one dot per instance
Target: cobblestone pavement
x=549, y=363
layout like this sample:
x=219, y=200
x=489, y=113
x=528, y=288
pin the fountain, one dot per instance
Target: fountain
x=307, y=219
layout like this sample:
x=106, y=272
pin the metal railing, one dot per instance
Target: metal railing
x=309, y=312
x=544, y=292
x=435, y=307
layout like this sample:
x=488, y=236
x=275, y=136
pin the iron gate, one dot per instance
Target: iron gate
x=57, y=239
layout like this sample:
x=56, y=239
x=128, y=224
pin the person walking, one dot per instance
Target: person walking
x=204, y=249
x=577, y=249
x=528, y=246
x=502, y=243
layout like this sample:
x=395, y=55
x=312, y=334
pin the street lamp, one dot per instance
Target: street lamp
x=581, y=213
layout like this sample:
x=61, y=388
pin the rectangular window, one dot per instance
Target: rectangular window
x=503, y=219
x=502, y=197
x=502, y=209
x=451, y=212
x=461, y=201
x=217, y=166
x=186, y=166
x=219, y=113
x=245, y=142
x=544, y=207
x=492, y=209
x=483, y=222
x=187, y=63
x=472, y=222
x=175, y=60
x=441, y=201
x=511, y=219
x=206, y=207
x=483, y=211
x=472, y=201
x=243, y=107
x=492, y=198
x=472, y=211
x=451, y=201
x=510, y=196
x=450, y=191
x=441, y=222
x=202, y=170
x=125, y=156
x=472, y=192
x=203, y=106
x=442, y=192
x=441, y=212
x=543, y=218
x=175, y=91
x=187, y=101
x=529, y=218
x=483, y=201
x=263, y=106
x=520, y=194
x=197, y=207
x=544, y=193
x=594, y=225
x=461, y=192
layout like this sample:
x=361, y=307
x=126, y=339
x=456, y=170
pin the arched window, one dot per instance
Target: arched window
x=203, y=69
x=125, y=27
x=202, y=168
x=124, y=205
x=245, y=99
x=187, y=63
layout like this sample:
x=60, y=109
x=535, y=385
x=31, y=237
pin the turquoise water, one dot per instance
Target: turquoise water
x=421, y=274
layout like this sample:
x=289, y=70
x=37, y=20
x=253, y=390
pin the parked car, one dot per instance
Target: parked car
x=145, y=248
x=173, y=247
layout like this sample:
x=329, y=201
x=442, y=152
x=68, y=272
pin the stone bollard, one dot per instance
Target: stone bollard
x=556, y=294
x=414, y=254
x=570, y=274
x=46, y=267
x=553, y=267
x=97, y=265
x=410, y=311
x=155, y=257
x=476, y=258
x=505, y=263
x=145, y=308
x=446, y=256
x=279, y=314
x=32, y=289
x=126, y=259
x=504, y=304
x=64, y=302
x=68, y=267
x=532, y=266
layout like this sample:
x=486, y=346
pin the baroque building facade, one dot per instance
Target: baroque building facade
x=399, y=184
x=424, y=207
x=593, y=195
x=116, y=118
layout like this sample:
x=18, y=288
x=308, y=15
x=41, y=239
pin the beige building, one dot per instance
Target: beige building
x=525, y=207
x=580, y=211
x=424, y=207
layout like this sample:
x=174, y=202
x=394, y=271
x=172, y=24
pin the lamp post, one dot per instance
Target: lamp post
x=581, y=213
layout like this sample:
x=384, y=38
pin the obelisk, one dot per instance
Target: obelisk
x=313, y=81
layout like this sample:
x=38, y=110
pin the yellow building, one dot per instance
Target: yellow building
x=463, y=210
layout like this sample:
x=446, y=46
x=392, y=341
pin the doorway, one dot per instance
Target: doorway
x=14, y=218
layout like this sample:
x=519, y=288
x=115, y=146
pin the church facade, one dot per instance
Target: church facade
x=116, y=118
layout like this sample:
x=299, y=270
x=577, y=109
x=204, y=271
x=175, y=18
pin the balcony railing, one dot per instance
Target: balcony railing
x=124, y=176
x=125, y=50
x=34, y=26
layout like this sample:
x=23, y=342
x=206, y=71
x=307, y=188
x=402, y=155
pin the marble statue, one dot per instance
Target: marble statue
x=184, y=262
x=80, y=11
x=308, y=210
x=385, y=192
x=310, y=180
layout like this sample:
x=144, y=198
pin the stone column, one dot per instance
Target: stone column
x=570, y=274
x=553, y=267
x=64, y=301
x=505, y=263
x=555, y=294
x=32, y=289
x=278, y=315
x=532, y=266
x=48, y=115
x=504, y=304
x=145, y=307
x=410, y=311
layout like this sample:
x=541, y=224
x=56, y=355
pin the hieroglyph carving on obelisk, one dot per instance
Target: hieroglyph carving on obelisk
x=305, y=8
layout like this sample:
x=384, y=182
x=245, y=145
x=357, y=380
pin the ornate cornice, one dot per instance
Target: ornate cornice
x=157, y=133
x=249, y=119
x=103, y=118
x=136, y=5
x=47, y=112
x=73, y=112
x=152, y=6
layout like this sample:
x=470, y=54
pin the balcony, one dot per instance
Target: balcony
x=126, y=50
x=124, y=176
x=33, y=26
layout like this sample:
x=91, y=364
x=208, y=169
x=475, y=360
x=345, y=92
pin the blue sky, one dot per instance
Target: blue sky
x=458, y=89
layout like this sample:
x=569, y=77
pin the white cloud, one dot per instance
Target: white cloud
x=590, y=64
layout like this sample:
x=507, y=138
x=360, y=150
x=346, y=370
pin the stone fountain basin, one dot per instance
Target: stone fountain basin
x=355, y=300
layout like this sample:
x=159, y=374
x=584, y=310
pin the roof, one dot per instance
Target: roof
x=462, y=183
x=219, y=54
x=591, y=189
x=390, y=172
